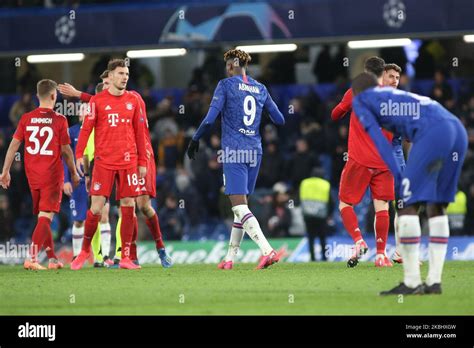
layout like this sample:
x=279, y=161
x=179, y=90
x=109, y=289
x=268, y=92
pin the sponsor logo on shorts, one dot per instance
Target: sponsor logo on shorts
x=97, y=186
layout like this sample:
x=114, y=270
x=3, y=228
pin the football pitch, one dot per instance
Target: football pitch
x=283, y=289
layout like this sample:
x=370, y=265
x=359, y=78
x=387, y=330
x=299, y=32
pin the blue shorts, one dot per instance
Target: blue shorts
x=240, y=178
x=79, y=203
x=434, y=164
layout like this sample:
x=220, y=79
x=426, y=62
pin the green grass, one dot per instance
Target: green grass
x=317, y=289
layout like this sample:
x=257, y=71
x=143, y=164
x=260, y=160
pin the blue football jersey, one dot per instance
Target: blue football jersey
x=241, y=105
x=74, y=135
x=407, y=114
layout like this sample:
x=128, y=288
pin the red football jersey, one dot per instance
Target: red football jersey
x=119, y=131
x=86, y=97
x=361, y=147
x=44, y=132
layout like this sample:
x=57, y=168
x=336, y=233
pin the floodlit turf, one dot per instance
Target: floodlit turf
x=286, y=288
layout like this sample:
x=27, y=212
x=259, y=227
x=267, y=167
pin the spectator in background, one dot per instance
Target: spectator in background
x=173, y=219
x=321, y=70
x=29, y=79
x=188, y=195
x=301, y=163
x=170, y=148
x=278, y=215
x=271, y=166
x=208, y=180
x=425, y=63
x=442, y=91
x=338, y=150
x=3, y=148
x=315, y=198
x=22, y=106
x=339, y=68
x=6, y=218
x=281, y=69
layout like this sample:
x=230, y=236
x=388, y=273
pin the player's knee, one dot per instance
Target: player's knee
x=78, y=224
x=410, y=210
x=127, y=202
x=96, y=209
x=343, y=205
x=434, y=210
x=380, y=205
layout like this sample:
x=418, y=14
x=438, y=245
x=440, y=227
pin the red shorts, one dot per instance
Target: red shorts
x=103, y=181
x=48, y=198
x=355, y=179
x=148, y=183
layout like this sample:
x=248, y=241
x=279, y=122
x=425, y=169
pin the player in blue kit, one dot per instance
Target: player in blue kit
x=240, y=100
x=431, y=175
x=78, y=201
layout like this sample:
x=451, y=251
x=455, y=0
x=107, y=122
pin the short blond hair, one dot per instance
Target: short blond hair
x=45, y=87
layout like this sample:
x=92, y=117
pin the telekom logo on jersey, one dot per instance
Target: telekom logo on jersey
x=113, y=119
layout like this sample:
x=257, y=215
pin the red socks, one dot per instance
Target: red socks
x=126, y=230
x=89, y=230
x=133, y=247
x=49, y=245
x=41, y=232
x=154, y=226
x=382, y=222
x=349, y=219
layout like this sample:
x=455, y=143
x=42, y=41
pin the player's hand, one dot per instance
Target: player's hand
x=80, y=166
x=76, y=180
x=67, y=189
x=68, y=90
x=5, y=180
x=88, y=183
x=193, y=147
x=141, y=172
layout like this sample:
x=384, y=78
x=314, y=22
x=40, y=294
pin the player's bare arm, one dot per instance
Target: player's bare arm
x=12, y=150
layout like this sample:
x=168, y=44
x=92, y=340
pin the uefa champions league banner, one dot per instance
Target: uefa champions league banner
x=211, y=252
x=171, y=23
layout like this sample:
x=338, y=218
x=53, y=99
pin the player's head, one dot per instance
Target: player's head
x=100, y=87
x=235, y=61
x=118, y=73
x=362, y=82
x=46, y=91
x=105, y=79
x=374, y=65
x=391, y=75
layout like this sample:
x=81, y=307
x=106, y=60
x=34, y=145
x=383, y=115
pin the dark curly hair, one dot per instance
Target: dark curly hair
x=243, y=58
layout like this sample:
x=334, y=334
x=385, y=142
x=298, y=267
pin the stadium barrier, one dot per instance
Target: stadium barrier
x=292, y=250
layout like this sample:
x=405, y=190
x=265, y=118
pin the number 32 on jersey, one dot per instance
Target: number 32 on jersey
x=38, y=148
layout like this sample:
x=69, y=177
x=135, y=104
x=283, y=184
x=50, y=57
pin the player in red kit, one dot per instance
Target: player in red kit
x=46, y=138
x=365, y=168
x=120, y=156
x=147, y=184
